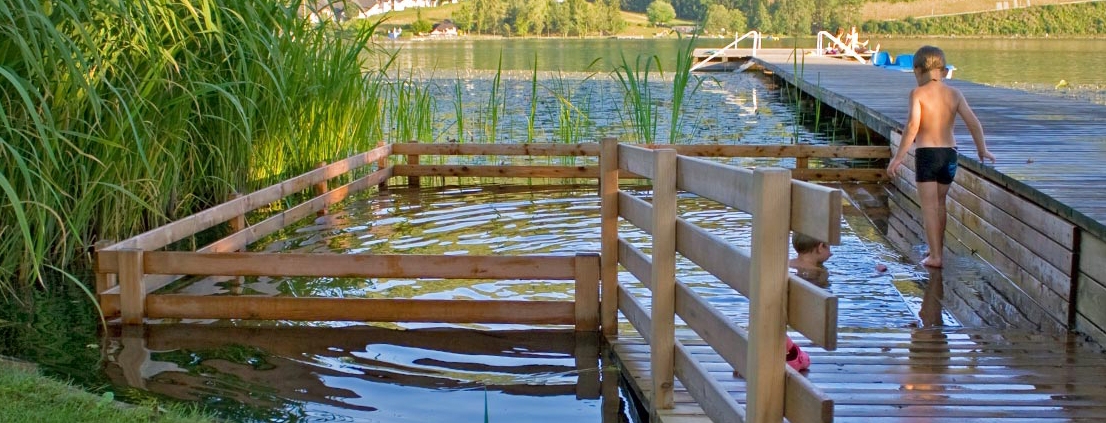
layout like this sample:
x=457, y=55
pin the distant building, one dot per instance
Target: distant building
x=343, y=10
x=445, y=28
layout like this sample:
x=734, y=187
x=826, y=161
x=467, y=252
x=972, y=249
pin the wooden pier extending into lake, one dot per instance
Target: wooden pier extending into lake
x=1043, y=238
x=1038, y=215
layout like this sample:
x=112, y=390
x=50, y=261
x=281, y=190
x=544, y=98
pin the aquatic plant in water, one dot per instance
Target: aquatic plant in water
x=638, y=97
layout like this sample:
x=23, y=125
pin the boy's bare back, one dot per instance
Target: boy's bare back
x=934, y=107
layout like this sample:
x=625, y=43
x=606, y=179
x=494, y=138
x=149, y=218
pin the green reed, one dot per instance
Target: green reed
x=680, y=81
x=573, y=113
x=411, y=108
x=116, y=117
x=644, y=111
x=533, y=101
x=459, y=108
x=496, y=105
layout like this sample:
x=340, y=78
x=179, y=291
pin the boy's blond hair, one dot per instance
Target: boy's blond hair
x=929, y=58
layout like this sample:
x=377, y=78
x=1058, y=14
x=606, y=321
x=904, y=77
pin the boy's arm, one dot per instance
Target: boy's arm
x=914, y=121
x=976, y=129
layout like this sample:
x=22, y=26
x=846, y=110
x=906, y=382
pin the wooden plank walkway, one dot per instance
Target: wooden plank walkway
x=922, y=375
x=1050, y=149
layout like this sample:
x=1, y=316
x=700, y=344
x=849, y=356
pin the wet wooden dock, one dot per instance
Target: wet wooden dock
x=924, y=375
x=1050, y=150
x=1038, y=215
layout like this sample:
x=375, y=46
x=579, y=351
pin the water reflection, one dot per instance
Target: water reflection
x=367, y=373
x=554, y=219
x=930, y=312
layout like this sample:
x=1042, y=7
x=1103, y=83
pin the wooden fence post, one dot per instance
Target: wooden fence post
x=382, y=164
x=238, y=223
x=608, y=196
x=321, y=188
x=802, y=161
x=104, y=281
x=587, y=292
x=768, y=295
x=132, y=287
x=662, y=347
x=413, y=159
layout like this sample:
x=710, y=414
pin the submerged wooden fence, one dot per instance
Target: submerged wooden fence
x=129, y=272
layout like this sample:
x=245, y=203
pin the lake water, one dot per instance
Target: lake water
x=1033, y=64
x=287, y=371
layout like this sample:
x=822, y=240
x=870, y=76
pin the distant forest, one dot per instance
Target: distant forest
x=783, y=17
x=1081, y=19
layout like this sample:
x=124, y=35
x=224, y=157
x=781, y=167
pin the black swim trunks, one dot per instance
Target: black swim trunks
x=935, y=164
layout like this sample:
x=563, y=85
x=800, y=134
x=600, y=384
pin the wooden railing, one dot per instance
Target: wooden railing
x=130, y=272
x=778, y=205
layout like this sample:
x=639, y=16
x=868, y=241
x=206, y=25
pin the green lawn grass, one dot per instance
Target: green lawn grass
x=28, y=397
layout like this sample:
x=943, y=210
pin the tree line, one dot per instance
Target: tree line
x=783, y=17
x=603, y=17
x=1068, y=19
x=540, y=17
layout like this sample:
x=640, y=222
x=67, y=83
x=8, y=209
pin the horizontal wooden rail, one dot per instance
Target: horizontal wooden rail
x=239, y=240
x=795, y=150
x=807, y=403
x=583, y=312
x=504, y=171
x=355, y=309
x=351, y=265
x=635, y=159
x=730, y=264
x=731, y=186
x=592, y=149
x=536, y=149
x=183, y=228
x=714, y=327
x=553, y=171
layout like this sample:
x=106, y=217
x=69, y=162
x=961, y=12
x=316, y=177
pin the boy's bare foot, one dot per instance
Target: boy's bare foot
x=931, y=262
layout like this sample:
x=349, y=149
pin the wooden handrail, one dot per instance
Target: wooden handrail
x=778, y=205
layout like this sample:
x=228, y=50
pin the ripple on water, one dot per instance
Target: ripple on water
x=564, y=219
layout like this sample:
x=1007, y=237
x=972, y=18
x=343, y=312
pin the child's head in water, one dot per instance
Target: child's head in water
x=807, y=246
x=812, y=253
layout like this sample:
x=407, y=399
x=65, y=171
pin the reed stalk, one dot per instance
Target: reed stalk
x=459, y=108
x=681, y=79
x=638, y=97
x=497, y=100
x=533, y=101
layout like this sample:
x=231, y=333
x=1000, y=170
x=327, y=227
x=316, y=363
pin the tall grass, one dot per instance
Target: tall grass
x=459, y=107
x=411, y=108
x=681, y=79
x=120, y=116
x=644, y=111
x=573, y=112
x=496, y=105
x=533, y=101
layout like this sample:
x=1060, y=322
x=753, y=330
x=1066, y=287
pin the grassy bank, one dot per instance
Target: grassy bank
x=28, y=397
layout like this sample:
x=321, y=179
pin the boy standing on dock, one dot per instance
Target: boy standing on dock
x=932, y=112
